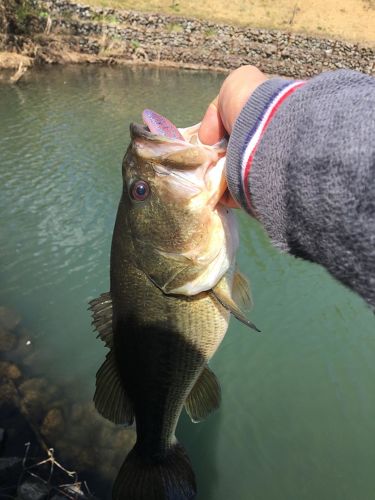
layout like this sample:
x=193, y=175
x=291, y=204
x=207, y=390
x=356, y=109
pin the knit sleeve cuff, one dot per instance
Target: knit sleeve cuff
x=247, y=133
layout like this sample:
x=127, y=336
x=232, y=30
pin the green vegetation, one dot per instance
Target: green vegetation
x=43, y=14
x=174, y=28
x=134, y=44
x=210, y=32
x=22, y=17
x=108, y=19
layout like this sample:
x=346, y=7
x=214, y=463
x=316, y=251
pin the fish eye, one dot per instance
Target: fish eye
x=139, y=190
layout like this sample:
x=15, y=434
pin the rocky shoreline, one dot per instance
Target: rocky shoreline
x=41, y=428
x=65, y=32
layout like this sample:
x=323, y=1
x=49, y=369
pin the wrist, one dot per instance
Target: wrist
x=247, y=132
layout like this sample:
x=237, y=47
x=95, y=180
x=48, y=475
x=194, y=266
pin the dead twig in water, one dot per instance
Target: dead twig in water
x=18, y=74
x=31, y=469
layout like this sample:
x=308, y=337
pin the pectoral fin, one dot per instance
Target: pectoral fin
x=228, y=303
x=204, y=397
x=241, y=290
x=110, y=398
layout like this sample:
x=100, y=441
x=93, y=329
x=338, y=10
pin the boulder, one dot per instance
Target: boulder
x=8, y=340
x=9, y=399
x=32, y=489
x=9, y=318
x=53, y=424
x=10, y=371
x=10, y=470
x=37, y=397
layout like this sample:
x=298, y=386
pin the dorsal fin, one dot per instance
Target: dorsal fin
x=110, y=398
x=101, y=310
x=204, y=397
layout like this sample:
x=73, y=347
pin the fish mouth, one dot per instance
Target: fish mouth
x=188, y=166
x=138, y=131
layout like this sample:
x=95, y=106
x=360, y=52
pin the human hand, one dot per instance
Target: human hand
x=225, y=109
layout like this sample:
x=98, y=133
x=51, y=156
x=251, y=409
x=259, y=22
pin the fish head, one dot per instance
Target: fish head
x=182, y=238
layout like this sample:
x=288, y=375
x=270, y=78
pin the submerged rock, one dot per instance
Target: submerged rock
x=8, y=340
x=32, y=489
x=10, y=470
x=37, y=396
x=75, y=491
x=10, y=371
x=9, y=398
x=53, y=424
x=9, y=319
x=103, y=454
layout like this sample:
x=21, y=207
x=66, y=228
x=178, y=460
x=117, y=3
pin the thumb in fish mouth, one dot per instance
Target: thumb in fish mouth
x=172, y=152
x=179, y=155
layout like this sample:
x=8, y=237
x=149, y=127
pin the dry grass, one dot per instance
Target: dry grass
x=345, y=19
x=11, y=60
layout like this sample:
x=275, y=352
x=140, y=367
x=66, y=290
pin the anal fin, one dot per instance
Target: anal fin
x=110, y=398
x=204, y=397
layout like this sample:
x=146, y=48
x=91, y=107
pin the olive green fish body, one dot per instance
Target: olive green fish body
x=162, y=344
x=172, y=278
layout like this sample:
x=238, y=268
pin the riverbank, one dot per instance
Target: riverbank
x=350, y=20
x=66, y=32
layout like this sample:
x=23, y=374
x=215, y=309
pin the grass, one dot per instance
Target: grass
x=174, y=28
x=345, y=19
x=106, y=19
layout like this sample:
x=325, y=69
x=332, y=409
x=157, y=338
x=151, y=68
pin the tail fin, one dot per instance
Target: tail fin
x=169, y=478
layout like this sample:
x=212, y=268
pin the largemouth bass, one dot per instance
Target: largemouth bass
x=173, y=287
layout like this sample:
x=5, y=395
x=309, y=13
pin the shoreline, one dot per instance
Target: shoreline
x=70, y=33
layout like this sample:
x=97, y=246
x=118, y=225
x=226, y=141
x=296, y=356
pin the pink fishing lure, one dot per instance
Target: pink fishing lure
x=160, y=125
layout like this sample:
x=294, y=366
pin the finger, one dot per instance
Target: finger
x=212, y=128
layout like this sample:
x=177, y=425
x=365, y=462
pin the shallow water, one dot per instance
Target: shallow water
x=297, y=416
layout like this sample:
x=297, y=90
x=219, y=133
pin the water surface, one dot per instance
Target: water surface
x=297, y=420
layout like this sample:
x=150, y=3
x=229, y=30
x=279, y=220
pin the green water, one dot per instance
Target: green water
x=297, y=420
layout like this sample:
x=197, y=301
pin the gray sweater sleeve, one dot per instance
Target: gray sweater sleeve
x=301, y=159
